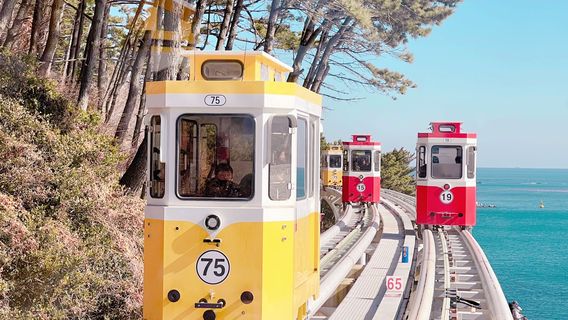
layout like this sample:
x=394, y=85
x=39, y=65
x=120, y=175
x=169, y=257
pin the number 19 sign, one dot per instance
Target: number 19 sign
x=395, y=285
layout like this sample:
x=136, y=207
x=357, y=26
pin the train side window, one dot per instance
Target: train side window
x=446, y=162
x=215, y=156
x=302, y=166
x=312, y=144
x=157, y=168
x=377, y=161
x=471, y=162
x=188, y=155
x=280, y=158
x=335, y=161
x=324, y=162
x=361, y=160
x=345, y=160
x=421, y=162
x=222, y=70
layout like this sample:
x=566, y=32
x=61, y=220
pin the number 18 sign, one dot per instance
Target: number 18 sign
x=395, y=285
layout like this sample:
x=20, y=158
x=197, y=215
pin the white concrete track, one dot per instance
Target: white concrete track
x=455, y=282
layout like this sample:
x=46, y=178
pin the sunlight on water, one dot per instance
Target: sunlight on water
x=526, y=244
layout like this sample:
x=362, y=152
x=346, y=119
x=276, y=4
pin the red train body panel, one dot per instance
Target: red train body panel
x=352, y=189
x=446, y=176
x=361, y=170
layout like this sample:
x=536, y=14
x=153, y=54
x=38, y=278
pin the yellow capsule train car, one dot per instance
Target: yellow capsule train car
x=231, y=227
x=332, y=166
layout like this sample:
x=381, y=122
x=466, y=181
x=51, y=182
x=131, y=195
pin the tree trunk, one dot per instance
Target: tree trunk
x=35, y=26
x=119, y=82
x=323, y=66
x=313, y=67
x=135, y=176
x=142, y=104
x=234, y=25
x=200, y=6
x=225, y=25
x=77, y=35
x=135, y=87
x=101, y=75
x=88, y=67
x=309, y=36
x=14, y=31
x=169, y=59
x=271, y=26
x=6, y=14
x=123, y=53
x=52, y=38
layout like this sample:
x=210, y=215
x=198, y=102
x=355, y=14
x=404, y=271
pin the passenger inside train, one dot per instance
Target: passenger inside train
x=222, y=185
x=216, y=156
x=361, y=160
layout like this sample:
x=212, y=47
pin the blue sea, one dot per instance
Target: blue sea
x=527, y=245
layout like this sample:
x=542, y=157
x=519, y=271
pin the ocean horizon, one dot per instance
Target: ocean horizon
x=526, y=244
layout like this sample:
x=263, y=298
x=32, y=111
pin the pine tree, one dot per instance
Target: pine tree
x=396, y=169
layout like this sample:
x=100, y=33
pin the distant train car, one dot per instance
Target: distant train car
x=231, y=228
x=331, y=166
x=361, y=170
x=445, y=176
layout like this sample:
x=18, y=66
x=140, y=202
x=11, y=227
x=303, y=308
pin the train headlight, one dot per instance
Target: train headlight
x=173, y=295
x=446, y=187
x=212, y=222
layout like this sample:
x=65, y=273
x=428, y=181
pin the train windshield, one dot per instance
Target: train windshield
x=216, y=156
x=335, y=161
x=446, y=162
x=361, y=160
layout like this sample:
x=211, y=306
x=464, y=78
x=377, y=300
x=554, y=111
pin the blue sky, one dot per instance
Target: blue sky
x=501, y=67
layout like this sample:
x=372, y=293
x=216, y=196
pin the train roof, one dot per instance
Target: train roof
x=446, y=129
x=361, y=140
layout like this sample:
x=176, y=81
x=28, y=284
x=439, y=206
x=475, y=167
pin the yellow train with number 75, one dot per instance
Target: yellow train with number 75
x=231, y=227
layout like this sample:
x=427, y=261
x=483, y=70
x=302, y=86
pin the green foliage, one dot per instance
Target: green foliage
x=70, y=240
x=396, y=169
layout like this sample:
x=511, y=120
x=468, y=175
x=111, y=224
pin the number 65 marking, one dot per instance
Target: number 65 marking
x=215, y=99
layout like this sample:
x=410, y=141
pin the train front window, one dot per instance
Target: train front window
x=335, y=161
x=446, y=162
x=361, y=160
x=215, y=156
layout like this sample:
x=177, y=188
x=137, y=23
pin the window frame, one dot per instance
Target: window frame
x=292, y=126
x=432, y=160
x=177, y=158
x=340, y=160
x=222, y=79
x=160, y=157
x=377, y=167
x=370, y=160
x=421, y=159
x=471, y=162
x=306, y=157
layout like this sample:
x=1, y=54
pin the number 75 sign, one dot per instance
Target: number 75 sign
x=395, y=284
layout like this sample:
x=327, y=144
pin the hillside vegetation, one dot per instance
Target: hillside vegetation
x=70, y=240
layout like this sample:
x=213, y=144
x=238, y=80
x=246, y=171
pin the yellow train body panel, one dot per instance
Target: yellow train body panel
x=332, y=177
x=277, y=261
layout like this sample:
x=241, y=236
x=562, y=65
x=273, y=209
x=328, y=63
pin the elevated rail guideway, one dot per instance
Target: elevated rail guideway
x=447, y=275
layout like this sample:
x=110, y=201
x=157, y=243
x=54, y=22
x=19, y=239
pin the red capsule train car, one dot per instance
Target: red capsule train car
x=445, y=176
x=361, y=170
